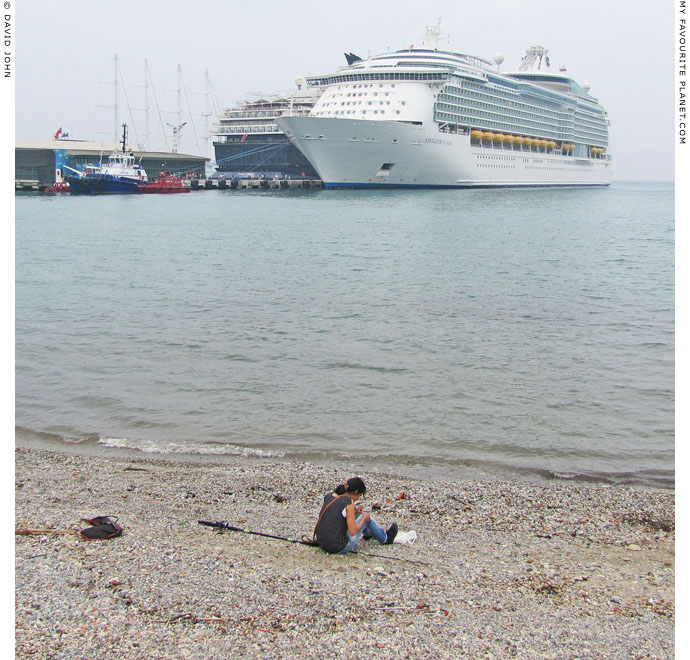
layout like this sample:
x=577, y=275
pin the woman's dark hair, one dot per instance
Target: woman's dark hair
x=354, y=485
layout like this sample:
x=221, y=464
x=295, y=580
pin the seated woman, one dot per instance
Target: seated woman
x=342, y=523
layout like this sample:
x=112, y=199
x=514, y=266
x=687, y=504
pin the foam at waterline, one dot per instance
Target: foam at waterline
x=205, y=449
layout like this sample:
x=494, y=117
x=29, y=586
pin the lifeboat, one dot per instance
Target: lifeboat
x=498, y=137
x=476, y=135
x=519, y=140
x=488, y=136
x=57, y=187
x=165, y=183
x=551, y=144
x=543, y=143
x=529, y=142
x=510, y=139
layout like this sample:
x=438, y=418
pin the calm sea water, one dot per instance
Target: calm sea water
x=518, y=333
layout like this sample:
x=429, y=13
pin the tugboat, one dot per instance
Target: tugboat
x=164, y=183
x=120, y=175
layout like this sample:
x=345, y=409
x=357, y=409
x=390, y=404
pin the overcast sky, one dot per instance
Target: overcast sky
x=65, y=58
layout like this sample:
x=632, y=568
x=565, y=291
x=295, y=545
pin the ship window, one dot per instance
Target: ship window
x=387, y=166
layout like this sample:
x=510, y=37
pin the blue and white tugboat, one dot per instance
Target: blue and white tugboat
x=121, y=174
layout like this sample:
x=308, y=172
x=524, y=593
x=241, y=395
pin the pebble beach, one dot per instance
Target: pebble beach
x=499, y=569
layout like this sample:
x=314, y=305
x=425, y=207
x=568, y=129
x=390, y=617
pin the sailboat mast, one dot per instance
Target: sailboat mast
x=146, y=101
x=115, y=124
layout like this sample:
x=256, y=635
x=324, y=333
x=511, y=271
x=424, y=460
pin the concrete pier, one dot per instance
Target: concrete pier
x=212, y=184
x=252, y=184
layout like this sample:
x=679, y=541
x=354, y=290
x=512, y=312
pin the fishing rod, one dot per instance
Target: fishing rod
x=224, y=525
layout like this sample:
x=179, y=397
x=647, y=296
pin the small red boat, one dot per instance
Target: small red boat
x=164, y=183
x=58, y=187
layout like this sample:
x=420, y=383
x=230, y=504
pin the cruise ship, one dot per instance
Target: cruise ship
x=247, y=139
x=433, y=118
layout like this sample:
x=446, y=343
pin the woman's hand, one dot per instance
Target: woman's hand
x=352, y=526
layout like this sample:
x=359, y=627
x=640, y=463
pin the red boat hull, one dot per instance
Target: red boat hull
x=165, y=183
x=161, y=189
x=58, y=187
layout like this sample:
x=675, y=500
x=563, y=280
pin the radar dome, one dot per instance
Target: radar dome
x=586, y=86
x=498, y=58
x=299, y=82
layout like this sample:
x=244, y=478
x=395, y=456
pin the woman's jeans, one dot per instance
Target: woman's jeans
x=369, y=529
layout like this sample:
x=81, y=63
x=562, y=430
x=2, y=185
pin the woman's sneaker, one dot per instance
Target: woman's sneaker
x=391, y=533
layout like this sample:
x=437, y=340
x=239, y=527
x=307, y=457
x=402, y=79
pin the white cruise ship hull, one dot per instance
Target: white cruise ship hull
x=385, y=154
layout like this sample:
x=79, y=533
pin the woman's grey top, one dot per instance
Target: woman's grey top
x=331, y=531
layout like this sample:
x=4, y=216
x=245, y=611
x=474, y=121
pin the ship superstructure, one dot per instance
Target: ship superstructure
x=427, y=117
x=247, y=139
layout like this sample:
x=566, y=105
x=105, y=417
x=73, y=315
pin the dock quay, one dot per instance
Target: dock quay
x=251, y=184
x=211, y=184
x=39, y=164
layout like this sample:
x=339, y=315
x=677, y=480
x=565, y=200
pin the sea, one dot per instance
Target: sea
x=484, y=334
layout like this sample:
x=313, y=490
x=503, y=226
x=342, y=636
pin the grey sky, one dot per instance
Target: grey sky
x=625, y=49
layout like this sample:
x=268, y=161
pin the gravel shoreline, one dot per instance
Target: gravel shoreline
x=500, y=569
